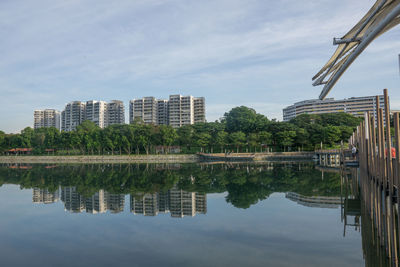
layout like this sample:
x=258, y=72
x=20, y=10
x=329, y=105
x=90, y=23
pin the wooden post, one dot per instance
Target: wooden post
x=373, y=152
x=397, y=147
x=382, y=150
x=388, y=142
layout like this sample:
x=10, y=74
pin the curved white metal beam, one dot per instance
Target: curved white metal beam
x=383, y=18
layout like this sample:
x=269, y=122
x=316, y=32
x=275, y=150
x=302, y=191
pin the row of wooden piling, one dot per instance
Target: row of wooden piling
x=379, y=174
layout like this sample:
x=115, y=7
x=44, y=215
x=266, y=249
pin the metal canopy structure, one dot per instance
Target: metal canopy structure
x=383, y=15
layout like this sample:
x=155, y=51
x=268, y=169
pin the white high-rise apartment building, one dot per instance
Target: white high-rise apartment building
x=144, y=109
x=354, y=105
x=177, y=111
x=101, y=113
x=199, y=106
x=185, y=110
x=162, y=112
x=96, y=112
x=181, y=110
x=46, y=118
x=115, y=113
x=73, y=115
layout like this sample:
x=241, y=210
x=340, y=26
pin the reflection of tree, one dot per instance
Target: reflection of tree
x=246, y=184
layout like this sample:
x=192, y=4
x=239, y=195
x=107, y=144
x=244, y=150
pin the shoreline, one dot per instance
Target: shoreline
x=161, y=158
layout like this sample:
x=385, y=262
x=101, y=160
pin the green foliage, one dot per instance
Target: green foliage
x=241, y=128
x=242, y=119
x=245, y=184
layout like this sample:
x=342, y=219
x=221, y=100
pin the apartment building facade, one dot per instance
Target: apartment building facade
x=96, y=112
x=115, y=113
x=46, y=118
x=73, y=115
x=356, y=106
x=101, y=113
x=144, y=109
x=162, y=112
x=177, y=111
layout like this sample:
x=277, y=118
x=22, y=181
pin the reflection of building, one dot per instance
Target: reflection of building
x=96, y=203
x=44, y=196
x=178, y=203
x=100, y=202
x=73, y=201
x=182, y=203
x=315, y=201
x=145, y=204
x=115, y=202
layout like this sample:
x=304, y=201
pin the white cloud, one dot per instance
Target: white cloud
x=232, y=52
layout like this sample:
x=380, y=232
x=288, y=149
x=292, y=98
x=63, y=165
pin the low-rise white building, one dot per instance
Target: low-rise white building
x=356, y=106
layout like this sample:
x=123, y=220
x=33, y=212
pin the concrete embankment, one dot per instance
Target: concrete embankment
x=101, y=159
x=284, y=156
x=176, y=158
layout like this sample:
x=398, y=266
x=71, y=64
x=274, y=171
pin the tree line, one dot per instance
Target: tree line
x=245, y=185
x=241, y=129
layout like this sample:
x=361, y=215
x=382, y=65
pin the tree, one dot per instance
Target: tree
x=220, y=139
x=286, y=138
x=203, y=140
x=331, y=134
x=185, y=135
x=2, y=141
x=240, y=119
x=86, y=133
x=237, y=139
x=26, y=137
x=253, y=140
x=265, y=138
x=302, y=137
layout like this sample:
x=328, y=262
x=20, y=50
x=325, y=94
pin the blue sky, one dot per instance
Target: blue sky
x=261, y=54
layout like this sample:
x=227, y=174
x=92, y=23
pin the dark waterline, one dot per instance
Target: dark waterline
x=174, y=215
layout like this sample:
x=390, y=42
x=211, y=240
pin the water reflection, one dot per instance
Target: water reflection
x=177, y=202
x=315, y=201
x=299, y=226
x=99, y=202
x=44, y=196
x=98, y=188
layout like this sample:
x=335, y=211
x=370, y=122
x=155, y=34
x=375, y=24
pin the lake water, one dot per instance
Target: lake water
x=175, y=215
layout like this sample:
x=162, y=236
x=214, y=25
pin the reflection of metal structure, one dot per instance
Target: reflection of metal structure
x=384, y=15
x=332, y=202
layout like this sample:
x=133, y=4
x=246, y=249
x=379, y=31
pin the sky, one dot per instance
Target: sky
x=257, y=53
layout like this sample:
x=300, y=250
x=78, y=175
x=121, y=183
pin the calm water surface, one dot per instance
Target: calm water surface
x=174, y=215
